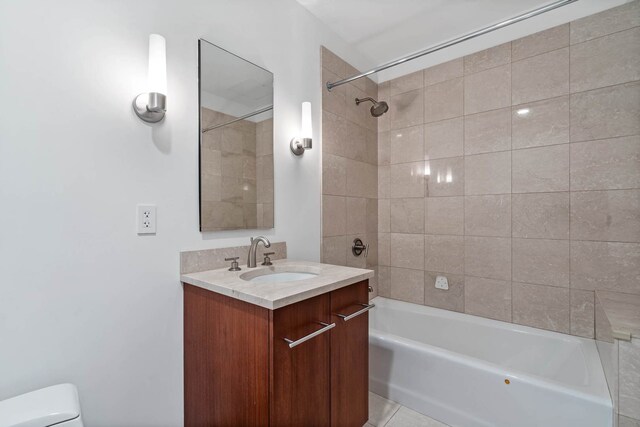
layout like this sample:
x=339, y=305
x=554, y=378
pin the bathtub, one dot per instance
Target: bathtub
x=468, y=371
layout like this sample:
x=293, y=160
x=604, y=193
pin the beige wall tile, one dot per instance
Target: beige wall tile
x=334, y=134
x=407, y=250
x=407, y=215
x=541, y=169
x=384, y=182
x=487, y=132
x=606, y=61
x=540, y=123
x=487, y=215
x=605, y=113
x=407, y=180
x=610, y=21
x=629, y=353
x=488, y=257
x=582, y=313
x=487, y=298
x=384, y=249
x=487, y=90
x=444, y=253
x=444, y=139
x=487, y=173
x=605, y=265
x=356, y=215
x=606, y=164
x=334, y=215
x=540, y=77
x=444, y=177
x=541, y=216
x=612, y=215
x=407, y=285
x=450, y=299
x=406, y=145
x=628, y=422
x=544, y=307
x=406, y=83
x=334, y=250
x=384, y=282
x=334, y=175
x=334, y=101
x=384, y=216
x=371, y=215
x=541, y=42
x=540, y=261
x=443, y=100
x=445, y=71
x=333, y=62
x=384, y=121
x=444, y=215
x=488, y=58
x=406, y=109
x=361, y=179
x=384, y=147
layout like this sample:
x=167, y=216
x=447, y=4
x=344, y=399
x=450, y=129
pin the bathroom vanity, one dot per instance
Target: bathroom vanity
x=259, y=351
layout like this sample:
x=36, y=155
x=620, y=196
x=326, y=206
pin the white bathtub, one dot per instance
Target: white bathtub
x=455, y=368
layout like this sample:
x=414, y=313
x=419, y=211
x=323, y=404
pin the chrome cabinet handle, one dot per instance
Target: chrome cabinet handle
x=327, y=326
x=366, y=308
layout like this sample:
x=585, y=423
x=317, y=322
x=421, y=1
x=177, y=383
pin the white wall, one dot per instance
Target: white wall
x=82, y=297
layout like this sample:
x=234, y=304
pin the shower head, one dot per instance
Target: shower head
x=377, y=109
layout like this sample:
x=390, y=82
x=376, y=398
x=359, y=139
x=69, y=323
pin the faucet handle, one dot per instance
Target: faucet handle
x=267, y=260
x=234, y=263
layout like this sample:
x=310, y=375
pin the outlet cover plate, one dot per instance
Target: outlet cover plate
x=146, y=219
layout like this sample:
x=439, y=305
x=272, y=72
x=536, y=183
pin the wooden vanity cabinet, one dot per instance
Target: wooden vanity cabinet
x=240, y=371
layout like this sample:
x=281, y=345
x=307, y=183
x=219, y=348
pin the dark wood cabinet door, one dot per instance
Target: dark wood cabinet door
x=300, y=376
x=226, y=355
x=350, y=357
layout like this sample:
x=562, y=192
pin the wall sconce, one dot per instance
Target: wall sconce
x=304, y=141
x=152, y=106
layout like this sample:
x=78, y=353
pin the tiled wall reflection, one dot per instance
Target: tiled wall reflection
x=515, y=172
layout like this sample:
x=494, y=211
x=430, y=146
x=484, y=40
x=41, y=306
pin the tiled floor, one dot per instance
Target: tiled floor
x=384, y=412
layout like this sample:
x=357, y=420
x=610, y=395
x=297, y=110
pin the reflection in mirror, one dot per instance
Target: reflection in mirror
x=236, y=141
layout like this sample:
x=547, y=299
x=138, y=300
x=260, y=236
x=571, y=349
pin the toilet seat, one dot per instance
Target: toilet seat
x=55, y=405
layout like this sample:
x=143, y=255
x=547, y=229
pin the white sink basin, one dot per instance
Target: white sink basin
x=280, y=274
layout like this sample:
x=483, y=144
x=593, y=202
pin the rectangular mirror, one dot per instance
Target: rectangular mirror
x=236, y=141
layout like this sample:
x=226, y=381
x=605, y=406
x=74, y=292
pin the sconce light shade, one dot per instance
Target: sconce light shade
x=152, y=106
x=305, y=140
x=157, y=64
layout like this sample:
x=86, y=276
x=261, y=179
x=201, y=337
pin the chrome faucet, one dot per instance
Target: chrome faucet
x=251, y=259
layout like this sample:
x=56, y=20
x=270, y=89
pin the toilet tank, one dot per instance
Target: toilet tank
x=56, y=405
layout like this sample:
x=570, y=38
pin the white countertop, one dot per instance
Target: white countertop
x=276, y=295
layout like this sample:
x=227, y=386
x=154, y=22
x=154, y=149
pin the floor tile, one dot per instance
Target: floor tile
x=381, y=410
x=405, y=417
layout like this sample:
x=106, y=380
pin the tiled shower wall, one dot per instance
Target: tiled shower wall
x=349, y=167
x=514, y=172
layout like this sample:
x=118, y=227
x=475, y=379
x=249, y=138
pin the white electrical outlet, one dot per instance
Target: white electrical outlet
x=442, y=283
x=146, y=219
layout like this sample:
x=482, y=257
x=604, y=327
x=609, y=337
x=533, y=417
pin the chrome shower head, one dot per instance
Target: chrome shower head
x=377, y=109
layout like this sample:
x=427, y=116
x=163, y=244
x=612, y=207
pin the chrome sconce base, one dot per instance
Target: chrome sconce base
x=298, y=145
x=150, y=107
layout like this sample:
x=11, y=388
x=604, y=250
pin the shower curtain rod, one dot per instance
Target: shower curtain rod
x=455, y=41
x=246, y=116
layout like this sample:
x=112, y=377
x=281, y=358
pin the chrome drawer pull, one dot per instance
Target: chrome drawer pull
x=311, y=335
x=366, y=308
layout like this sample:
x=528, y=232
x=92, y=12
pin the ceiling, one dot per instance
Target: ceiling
x=384, y=30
